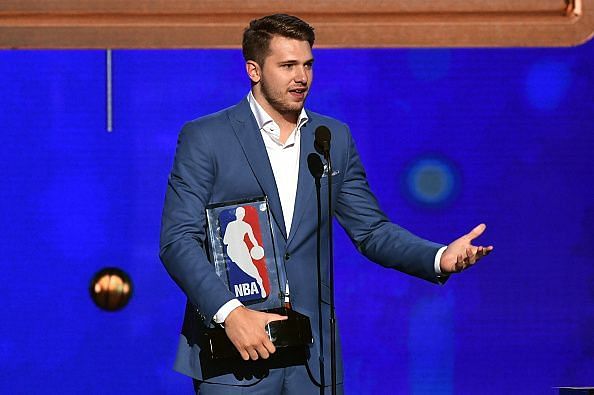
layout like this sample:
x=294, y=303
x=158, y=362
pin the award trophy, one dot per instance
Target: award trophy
x=242, y=250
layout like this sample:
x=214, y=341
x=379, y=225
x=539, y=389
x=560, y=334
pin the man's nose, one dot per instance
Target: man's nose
x=300, y=75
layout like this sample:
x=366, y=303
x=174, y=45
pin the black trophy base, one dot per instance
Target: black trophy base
x=295, y=331
x=576, y=390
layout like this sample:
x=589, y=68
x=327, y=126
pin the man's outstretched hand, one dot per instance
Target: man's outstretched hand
x=245, y=329
x=461, y=254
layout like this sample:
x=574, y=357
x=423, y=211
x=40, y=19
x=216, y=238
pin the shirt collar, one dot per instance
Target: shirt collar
x=265, y=121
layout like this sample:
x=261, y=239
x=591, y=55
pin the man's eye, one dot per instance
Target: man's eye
x=287, y=66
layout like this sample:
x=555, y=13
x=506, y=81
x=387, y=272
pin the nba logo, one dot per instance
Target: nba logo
x=244, y=253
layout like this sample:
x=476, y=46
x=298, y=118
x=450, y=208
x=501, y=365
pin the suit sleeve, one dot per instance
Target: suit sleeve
x=374, y=235
x=183, y=225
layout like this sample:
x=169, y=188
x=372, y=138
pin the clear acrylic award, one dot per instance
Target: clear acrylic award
x=245, y=257
x=243, y=252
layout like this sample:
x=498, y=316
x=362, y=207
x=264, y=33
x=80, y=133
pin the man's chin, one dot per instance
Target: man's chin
x=298, y=106
x=292, y=109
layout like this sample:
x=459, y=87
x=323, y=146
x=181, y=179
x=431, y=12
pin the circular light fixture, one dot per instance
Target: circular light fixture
x=111, y=289
x=431, y=181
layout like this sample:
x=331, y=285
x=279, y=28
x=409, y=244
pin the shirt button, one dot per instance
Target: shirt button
x=287, y=256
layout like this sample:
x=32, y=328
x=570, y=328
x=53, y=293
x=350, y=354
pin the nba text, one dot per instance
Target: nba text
x=246, y=289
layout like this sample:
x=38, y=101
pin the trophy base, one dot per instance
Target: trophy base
x=295, y=331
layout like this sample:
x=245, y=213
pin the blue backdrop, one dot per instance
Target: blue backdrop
x=450, y=138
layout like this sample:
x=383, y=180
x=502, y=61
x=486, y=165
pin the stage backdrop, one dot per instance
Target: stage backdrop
x=450, y=138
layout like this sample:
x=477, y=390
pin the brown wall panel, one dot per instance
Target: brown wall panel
x=346, y=23
x=267, y=6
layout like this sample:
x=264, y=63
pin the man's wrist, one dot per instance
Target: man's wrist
x=437, y=262
x=226, y=309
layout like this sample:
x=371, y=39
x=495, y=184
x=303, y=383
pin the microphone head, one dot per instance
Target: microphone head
x=315, y=165
x=322, y=141
x=323, y=134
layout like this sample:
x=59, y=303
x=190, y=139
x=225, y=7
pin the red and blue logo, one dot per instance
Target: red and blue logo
x=244, y=253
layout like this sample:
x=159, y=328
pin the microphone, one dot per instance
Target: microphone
x=315, y=166
x=322, y=141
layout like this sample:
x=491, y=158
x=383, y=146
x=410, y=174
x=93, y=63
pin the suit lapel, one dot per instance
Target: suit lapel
x=246, y=129
x=305, y=183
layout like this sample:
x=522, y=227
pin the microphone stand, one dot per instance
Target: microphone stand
x=331, y=279
x=322, y=145
x=319, y=262
x=316, y=168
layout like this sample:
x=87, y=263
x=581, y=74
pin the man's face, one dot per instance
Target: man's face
x=285, y=77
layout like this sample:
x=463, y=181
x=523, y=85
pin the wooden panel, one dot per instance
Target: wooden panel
x=267, y=6
x=344, y=23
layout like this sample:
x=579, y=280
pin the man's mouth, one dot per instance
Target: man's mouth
x=298, y=92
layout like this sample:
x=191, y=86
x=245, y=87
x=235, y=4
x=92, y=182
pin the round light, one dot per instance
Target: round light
x=431, y=181
x=111, y=289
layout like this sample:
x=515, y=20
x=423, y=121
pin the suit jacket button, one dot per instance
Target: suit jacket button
x=287, y=256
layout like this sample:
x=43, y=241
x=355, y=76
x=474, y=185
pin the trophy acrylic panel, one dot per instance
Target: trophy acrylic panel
x=243, y=252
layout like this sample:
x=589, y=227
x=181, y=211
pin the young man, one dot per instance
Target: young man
x=260, y=147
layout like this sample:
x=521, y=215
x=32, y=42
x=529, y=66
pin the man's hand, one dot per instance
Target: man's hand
x=461, y=254
x=245, y=329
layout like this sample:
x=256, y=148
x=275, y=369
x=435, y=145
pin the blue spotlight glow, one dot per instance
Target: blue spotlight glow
x=547, y=84
x=431, y=181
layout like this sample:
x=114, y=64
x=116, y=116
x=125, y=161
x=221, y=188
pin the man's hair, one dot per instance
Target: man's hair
x=256, y=38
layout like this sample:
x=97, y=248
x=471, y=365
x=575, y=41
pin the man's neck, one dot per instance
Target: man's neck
x=286, y=128
x=287, y=122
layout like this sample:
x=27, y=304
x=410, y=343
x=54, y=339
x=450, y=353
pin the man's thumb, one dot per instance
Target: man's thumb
x=276, y=317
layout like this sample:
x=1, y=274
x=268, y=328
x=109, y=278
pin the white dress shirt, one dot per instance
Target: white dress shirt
x=284, y=159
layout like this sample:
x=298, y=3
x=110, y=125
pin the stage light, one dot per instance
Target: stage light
x=111, y=289
x=431, y=181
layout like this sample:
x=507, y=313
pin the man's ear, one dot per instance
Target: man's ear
x=254, y=71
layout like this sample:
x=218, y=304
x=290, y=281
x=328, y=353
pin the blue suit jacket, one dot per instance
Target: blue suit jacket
x=222, y=157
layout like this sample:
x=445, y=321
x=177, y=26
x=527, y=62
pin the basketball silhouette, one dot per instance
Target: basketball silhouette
x=257, y=252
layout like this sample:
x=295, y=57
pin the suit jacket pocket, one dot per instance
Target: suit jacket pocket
x=336, y=179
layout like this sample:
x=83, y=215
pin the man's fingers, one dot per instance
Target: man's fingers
x=480, y=252
x=244, y=354
x=476, y=232
x=459, y=263
x=483, y=251
x=471, y=256
x=275, y=317
x=262, y=351
x=253, y=354
x=262, y=347
x=461, y=254
x=246, y=330
x=269, y=346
